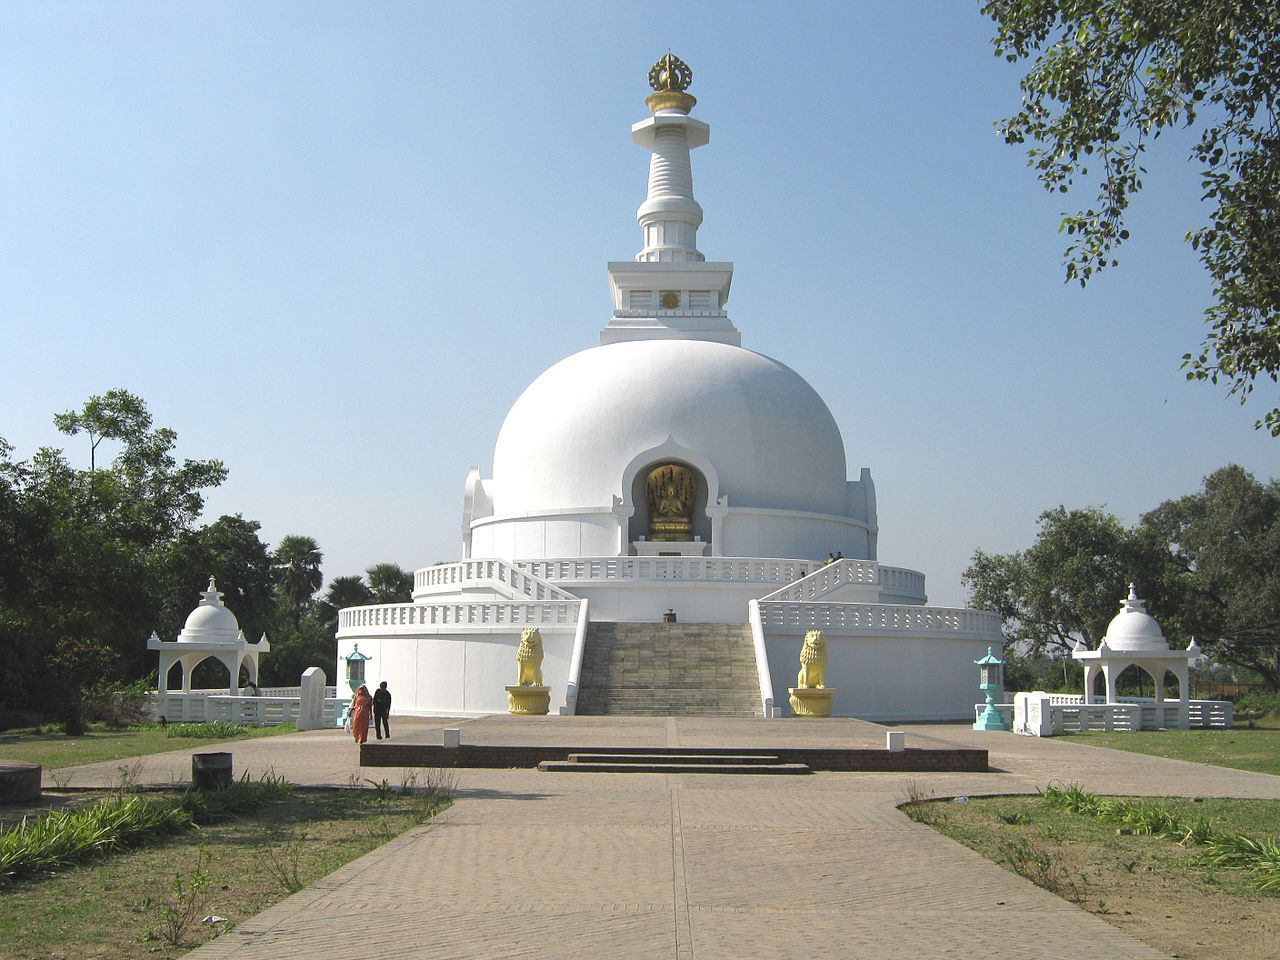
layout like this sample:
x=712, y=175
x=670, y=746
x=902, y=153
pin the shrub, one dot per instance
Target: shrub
x=1262, y=703
x=119, y=704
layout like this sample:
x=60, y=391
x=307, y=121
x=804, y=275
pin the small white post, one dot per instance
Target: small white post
x=452, y=737
x=895, y=741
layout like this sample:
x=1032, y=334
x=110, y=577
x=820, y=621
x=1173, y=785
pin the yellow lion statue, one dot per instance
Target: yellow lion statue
x=529, y=658
x=813, y=660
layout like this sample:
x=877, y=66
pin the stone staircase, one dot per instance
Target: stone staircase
x=669, y=670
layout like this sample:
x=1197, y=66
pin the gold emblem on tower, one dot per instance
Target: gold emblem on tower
x=670, y=78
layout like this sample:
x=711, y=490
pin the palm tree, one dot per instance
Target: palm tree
x=342, y=592
x=347, y=592
x=296, y=563
x=390, y=583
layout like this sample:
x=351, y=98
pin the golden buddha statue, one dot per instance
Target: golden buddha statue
x=670, y=489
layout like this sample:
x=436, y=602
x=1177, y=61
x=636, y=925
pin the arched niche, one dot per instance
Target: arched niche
x=635, y=502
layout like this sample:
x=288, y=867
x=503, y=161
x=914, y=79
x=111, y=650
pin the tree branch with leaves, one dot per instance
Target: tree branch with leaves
x=1107, y=78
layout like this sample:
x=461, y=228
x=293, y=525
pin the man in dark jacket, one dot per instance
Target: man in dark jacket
x=382, y=710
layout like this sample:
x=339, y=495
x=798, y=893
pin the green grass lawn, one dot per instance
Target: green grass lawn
x=52, y=749
x=123, y=905
x=1165, y=894
x=1256, y=749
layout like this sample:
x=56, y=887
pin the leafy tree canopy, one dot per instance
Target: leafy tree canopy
x=1226, y=541
x=1208, y=565
x=1108, y=77
x=1068, y=585
x=78, y=548
x=389, y=583
x=297, y=562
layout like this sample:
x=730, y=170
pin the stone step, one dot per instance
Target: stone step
x=677, y=765
x=730, y=759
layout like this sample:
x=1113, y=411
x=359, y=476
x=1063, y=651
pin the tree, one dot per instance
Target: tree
x=1108, y=78
x=116, y=415
x=342, y=592
x=389, y=583
x=308, y=642
x=347, y=592
x=78, y=546
x=79, y=664
x=297, y=562
x=1069, y=583
x=1226, y=539
x=230, y=550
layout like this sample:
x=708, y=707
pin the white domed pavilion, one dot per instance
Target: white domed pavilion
x=670, y=471
x=211, y=632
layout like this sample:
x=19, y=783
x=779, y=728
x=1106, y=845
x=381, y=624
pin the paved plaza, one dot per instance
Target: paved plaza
x=689, y=866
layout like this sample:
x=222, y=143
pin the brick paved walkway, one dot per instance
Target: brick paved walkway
x=695, y=866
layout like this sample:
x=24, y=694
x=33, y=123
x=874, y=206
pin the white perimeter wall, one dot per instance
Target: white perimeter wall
x=456, y=674
x=886, y=678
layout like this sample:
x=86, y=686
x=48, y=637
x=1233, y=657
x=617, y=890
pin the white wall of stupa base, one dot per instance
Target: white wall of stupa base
x=886, y=678
x=452, y=651
x=458, y=672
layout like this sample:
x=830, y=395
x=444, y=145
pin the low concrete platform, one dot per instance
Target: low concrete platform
x=828, y=744
x=19, y=781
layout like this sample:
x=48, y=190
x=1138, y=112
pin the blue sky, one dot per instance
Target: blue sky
x=330, y=244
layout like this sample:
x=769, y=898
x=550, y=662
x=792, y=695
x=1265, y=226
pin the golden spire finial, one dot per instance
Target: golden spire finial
x=670, y=78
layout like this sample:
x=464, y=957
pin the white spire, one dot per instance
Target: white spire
x=669, y=217
x=670, y=292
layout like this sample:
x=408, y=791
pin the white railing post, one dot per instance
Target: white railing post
x=762, y=658
x=575, y=659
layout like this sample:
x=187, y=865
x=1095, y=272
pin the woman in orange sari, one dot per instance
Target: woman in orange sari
x=361, y=709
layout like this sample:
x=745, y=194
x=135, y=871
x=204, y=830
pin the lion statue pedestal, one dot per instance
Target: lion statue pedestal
x=809, y=697
x=528, y=697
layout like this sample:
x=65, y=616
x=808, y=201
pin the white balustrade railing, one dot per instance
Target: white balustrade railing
x=1097, y=716
x=828, y=578
x=879, y=617
x=694, y=569
x=515, y=613
x=1211, y=713
x=1043, y=714
x=262, y=692
x=901, y=582
x=448, y=577
x=207, y=706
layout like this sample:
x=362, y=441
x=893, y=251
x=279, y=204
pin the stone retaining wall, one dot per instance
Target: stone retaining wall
x=911, y=760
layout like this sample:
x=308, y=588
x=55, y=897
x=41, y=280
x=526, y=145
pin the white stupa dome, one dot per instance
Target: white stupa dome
x=210, y=621
x=1133, y=628
x=766, y=433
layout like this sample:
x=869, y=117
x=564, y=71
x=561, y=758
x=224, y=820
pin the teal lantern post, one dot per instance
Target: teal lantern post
x=991, y=681
x=355, y=667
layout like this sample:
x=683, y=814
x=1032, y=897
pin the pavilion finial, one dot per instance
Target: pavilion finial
x=211, y=596
x=670, y=78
